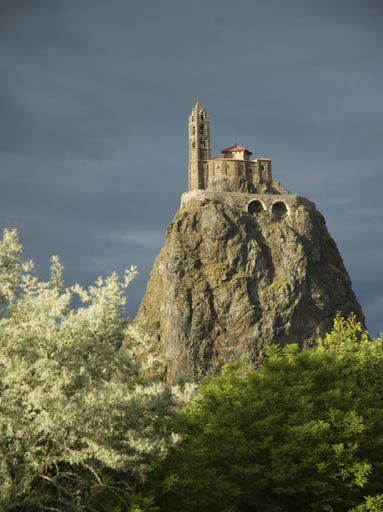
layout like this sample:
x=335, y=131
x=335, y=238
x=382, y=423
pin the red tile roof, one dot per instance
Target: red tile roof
x=236, y=148
x=231, y=159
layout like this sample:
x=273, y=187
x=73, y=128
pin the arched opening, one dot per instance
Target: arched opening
x=255, y=207
x=279, y=209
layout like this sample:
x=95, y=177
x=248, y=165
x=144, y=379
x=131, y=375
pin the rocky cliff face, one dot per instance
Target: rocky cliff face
x=227, y=283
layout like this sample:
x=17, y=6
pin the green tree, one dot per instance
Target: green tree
x=371, y=504
x=304, y=432
x=80, y=420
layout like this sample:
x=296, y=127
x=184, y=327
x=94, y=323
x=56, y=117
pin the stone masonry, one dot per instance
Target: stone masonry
x=234, y=178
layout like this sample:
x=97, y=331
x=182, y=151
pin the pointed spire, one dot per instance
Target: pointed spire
x=198, y=106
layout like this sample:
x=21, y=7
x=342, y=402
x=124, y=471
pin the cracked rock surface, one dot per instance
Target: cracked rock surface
x=226, y=284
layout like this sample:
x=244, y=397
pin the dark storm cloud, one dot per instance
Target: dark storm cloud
x=94, y=98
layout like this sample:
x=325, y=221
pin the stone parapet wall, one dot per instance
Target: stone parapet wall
x=242, y=201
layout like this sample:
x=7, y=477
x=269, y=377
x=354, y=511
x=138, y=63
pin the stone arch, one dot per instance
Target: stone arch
x=279, y=209
x=255, y=207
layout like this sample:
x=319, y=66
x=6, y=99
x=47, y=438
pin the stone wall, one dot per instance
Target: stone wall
x=242, y=201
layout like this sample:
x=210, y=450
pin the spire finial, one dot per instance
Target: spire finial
x=197, y=105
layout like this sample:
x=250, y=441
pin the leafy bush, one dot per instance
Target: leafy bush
x=80, y=420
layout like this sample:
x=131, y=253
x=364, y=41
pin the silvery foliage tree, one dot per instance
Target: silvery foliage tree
x=80, y=420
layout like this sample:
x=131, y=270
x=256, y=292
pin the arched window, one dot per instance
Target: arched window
x=255, y=207
x=279, y=209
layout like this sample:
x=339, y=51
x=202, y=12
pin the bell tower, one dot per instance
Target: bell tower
x=199, y=147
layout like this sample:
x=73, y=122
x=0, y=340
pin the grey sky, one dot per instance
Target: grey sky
x=94, y=99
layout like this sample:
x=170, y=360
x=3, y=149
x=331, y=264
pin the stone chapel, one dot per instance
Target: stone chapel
x=235, y=177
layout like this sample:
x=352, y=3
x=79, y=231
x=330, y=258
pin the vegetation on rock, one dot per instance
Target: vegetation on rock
x=227, y=284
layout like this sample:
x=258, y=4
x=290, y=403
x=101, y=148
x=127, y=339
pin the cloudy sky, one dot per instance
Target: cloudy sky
x=94, y=99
